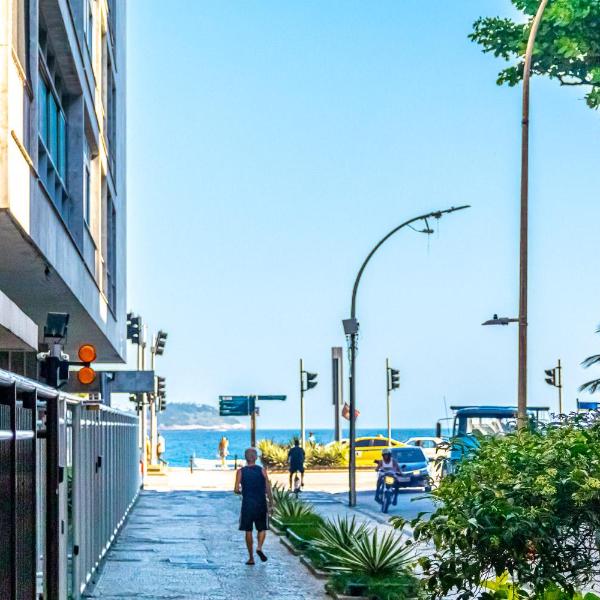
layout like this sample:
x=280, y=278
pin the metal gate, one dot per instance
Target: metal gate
x=69, y=474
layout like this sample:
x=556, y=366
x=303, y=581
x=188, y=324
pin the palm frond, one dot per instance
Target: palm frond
x=591, y=360
x=591, y=386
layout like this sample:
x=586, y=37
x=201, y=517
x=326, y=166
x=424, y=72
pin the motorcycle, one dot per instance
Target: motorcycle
x=387, y=492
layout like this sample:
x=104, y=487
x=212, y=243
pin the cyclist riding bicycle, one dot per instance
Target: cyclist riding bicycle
x=296, y=462
x=386, y=466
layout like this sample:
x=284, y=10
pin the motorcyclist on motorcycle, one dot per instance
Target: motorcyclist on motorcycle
x=386, y=466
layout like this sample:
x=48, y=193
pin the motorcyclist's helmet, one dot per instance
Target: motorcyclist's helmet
x=386, y=452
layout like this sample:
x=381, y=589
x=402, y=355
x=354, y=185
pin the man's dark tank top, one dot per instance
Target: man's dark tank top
x=254, y=487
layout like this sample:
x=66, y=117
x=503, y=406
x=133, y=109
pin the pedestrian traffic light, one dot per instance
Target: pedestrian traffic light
x=134, y=328
x=159, y=344
x=393, y=379
x=550, y=376
x=87, y=355
x=311, y=380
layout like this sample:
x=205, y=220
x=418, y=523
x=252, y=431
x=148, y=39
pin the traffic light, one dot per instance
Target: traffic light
x=87, y=355
x=159, y=344
x=311, y=380
x=393, y=379
x=134, y=328
x=550, y=376
x=161, y=387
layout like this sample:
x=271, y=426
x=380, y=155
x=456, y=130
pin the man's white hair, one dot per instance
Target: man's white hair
x=251, y=454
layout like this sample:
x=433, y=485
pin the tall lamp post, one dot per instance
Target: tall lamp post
x=522, y=380
x=351, y=331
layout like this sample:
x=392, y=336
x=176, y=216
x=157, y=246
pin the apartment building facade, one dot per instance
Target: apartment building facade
x=62, y=176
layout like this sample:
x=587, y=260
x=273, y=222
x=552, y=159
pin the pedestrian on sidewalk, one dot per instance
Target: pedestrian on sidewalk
x=223, y=450
x=252, y=482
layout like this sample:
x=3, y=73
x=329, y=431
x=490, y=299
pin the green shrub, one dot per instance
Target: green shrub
x=275, y=455
x=403, y=586
x=526, y=504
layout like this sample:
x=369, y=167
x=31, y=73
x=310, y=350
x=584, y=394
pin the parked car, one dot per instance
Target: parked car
x=414, y=467
x=368, y=449
x=433, y=447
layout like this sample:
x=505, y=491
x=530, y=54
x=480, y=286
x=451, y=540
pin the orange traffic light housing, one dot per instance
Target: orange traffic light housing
x=87, y=354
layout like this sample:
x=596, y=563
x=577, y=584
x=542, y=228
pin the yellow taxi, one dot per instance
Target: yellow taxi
x=368, y=449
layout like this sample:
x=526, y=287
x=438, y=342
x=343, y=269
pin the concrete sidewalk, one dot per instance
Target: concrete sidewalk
x=185, y=545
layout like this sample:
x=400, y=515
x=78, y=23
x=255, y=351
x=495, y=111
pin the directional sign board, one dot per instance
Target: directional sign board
x=280, y=398
x=236, y=406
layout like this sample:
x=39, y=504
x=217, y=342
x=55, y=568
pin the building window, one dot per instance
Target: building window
x=87, y=195
x=52, y=128
x=88, y=26
x=111, y=115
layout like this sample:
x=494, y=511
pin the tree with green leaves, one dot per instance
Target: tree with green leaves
x=524, y=506
x=567, y=46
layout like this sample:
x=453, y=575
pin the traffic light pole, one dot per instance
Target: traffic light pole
x=560, y=388
x=153, y=420
x=388, y=387
x=143, y=415
x=302, y=430
x=353, y=338
x=253, y=426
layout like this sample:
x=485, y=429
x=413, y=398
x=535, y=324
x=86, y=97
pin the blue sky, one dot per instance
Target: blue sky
x=271, y=144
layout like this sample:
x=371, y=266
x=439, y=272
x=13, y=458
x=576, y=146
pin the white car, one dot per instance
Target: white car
x=433, y=447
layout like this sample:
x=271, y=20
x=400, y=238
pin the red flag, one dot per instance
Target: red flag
x=346, y=412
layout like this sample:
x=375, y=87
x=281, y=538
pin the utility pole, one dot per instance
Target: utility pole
x=302, y=431
x=253, y=424
x=523, y=242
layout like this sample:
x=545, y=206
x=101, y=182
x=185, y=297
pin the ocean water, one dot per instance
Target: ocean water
x=180, y=445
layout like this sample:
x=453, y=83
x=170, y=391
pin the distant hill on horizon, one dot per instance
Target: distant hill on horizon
x=188, y=415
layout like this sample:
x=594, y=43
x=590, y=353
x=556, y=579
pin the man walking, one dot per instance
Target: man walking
x=296, y=462
x=252, y=482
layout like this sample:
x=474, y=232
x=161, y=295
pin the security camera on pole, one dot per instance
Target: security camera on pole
x=307, y=382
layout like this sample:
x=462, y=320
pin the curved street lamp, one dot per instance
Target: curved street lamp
x=351, y=331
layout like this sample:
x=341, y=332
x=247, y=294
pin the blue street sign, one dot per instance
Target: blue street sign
x=281, y=398
x=236, y=406
x=583, y=405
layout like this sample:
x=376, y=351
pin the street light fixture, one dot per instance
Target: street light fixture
x=351, y=326
x=500, y=321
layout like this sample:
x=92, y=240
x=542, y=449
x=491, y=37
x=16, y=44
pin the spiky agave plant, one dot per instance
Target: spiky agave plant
x=374, y=555
x=339, y=532
x=279, y=493
x=291, y=510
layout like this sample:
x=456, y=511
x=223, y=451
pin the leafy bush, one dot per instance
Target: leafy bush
x=275, y=455
x=526, y=504
x=403, y=586
x=272, y=454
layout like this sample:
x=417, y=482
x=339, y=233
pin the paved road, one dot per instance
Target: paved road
x=185, y=545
